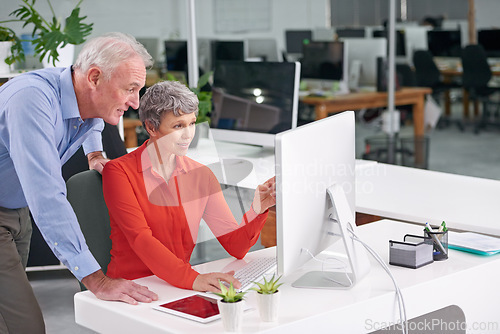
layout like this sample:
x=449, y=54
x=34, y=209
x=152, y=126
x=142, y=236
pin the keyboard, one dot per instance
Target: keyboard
x=254, y=271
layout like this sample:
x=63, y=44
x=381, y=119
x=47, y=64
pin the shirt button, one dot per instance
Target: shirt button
x=55, y=243
x=74, y=126
x=76, y=268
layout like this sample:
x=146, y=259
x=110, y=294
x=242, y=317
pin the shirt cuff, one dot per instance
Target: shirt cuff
x=83, y=265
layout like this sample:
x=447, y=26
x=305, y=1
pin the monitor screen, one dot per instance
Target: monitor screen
x=323, y=60
x=490, y=40
x=227, y=50
x=253, y=101
x=295, y=39
x=366, y=51
x=176, y=55
x=350, y=32
x=315, y=201
x=444, y=43
x=400, y=40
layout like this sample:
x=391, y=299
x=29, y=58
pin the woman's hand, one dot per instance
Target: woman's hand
x=210, y=282
x=265, y=196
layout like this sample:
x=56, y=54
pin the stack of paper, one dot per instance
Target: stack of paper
x=474, y=243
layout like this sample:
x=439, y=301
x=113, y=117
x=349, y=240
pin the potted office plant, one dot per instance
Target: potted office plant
x=231, y=307
x=268, y=298
x=10, y=49
x=50, y=36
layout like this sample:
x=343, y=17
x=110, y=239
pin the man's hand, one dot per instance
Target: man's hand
x=210, y=282
x=106, y=288
x=96, y=161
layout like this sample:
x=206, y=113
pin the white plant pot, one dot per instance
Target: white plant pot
x=4, y=53
x=268, y=306
x=232, y=315
x=65, y=59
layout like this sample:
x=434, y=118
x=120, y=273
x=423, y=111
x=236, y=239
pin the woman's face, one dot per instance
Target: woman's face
x=175, y=133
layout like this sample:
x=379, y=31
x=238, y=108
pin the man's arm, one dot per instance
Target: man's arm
x=96, y=161
x=117, y=289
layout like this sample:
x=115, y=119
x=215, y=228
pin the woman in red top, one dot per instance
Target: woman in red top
x=156, y=197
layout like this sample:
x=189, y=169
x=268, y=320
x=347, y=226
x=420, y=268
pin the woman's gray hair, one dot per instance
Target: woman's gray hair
x=110, y=50
x=164, y=97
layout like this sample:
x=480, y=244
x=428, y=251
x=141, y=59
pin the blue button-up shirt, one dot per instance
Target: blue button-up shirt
x=40, y=129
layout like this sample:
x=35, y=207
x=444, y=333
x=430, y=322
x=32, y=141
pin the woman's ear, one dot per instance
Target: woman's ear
x=150, y=129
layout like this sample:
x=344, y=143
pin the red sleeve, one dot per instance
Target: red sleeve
x=120, y=192
x=236, y=239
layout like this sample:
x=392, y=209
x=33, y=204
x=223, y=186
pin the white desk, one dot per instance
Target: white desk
x=466, y=280
x=415, y=195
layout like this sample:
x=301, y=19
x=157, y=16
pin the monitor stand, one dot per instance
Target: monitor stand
x=342, y=221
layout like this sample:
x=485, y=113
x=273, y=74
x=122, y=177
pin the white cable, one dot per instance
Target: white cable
x=401, y=304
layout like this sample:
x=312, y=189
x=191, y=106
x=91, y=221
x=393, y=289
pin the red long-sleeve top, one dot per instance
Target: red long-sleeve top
x=154, y=224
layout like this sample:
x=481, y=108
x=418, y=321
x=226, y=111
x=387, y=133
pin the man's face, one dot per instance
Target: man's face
x=121, y=91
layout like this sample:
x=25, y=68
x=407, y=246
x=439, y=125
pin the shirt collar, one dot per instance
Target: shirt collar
x=69, y=104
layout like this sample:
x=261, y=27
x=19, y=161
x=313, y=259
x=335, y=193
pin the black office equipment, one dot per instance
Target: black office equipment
x=295, y=39
x=400, y=43
x=323, y=60
x=444, y=43
x=350, y=32
x=227, y=50
x=176, y=55
x=490, y=40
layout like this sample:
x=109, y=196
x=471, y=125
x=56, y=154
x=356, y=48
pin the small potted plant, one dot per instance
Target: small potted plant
x=268, y=298
x=231, y=307
x=10, y=49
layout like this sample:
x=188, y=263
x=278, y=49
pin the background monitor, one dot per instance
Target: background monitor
x=264, y=49
x=366, y=51
x=176, y=55
x=315, y=201
x=227, y=50
x=415, y=39
x=152, y=44
x=400, y=44
x=444, y=43
x=295, y=39
x=323, y=60
x=350, y=32
x=490, y=40
x=253, y=101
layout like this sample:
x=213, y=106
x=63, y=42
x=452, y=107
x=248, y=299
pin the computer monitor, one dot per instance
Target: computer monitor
x=227, y=50
x=176, y=55
x=416, y=39
x=323, y=60
x=350, y=32
x=315, y=202
x=490, y=40
x=253, y=101
x=400, y=44
x=366, y=51
x=295, y=39
x=444, y=43
x=263, y=49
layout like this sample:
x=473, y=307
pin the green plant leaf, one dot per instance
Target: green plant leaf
x=75, y=30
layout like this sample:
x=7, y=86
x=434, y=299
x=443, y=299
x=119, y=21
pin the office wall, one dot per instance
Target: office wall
x=487, y=13
x=166, y=19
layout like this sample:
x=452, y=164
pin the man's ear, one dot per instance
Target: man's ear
x=94, y=75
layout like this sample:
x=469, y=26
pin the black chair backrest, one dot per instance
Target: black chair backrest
x=476, y=70
x=406, y=75
x=86, y=197
x=426, y=72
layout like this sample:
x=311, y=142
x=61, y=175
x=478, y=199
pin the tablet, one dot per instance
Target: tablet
x=196, y=307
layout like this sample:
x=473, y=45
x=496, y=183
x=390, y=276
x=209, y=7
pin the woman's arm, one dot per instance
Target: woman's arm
x=125, y=211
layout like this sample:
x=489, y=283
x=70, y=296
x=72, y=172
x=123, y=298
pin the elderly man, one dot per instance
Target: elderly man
x=45, y=116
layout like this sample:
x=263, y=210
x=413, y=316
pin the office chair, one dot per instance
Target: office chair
x=475, y=79
x=428, y=75
x=86, y=197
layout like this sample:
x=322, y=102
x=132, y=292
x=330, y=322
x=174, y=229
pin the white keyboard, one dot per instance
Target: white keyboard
x=254, y=271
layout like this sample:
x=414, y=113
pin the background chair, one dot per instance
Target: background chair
x=86, y=197
x=428, y=75
x=476, y=77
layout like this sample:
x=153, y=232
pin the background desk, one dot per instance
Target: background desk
x=415, y=195
x=414, y=96
x=463, y=280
